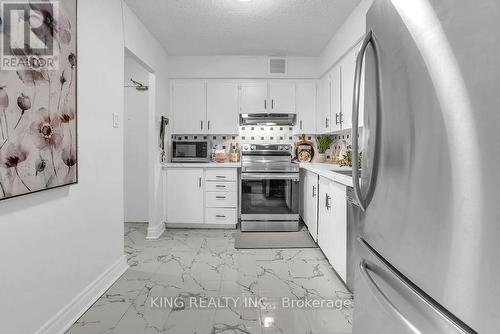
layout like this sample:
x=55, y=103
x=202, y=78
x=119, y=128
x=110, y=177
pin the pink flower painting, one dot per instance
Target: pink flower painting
x=38, y=114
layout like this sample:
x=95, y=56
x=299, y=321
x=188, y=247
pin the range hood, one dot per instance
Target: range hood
x=267, y=119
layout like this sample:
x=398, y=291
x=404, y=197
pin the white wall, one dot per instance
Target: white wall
x=135, y=127
x=349, y=34
x=237, y=67
x=55, y=243
x=145, y=48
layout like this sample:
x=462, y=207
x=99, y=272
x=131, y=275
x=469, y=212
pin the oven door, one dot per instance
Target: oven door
x=270, y=196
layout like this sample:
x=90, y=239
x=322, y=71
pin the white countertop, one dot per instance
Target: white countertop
x=328, y=171
x=322, y=169
x=201, y=164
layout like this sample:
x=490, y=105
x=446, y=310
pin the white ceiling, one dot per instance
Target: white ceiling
x=234, y=27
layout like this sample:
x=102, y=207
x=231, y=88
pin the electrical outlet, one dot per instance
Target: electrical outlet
x=116, y=120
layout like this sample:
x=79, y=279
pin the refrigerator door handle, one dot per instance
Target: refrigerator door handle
x=369, y=39
x=382, y=298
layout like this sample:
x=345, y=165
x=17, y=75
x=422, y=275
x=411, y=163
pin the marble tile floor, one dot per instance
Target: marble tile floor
x=202, y=268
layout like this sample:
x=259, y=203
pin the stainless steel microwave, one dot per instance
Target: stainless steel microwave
x=190, y=151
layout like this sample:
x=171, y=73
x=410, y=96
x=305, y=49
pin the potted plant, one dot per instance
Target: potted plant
x=323, y=144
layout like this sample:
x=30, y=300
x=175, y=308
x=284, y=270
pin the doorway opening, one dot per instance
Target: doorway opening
x=135, y=131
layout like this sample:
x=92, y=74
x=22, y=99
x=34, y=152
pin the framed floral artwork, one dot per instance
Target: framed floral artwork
x=38, y=116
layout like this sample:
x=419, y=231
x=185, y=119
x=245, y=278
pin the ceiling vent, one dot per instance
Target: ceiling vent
x=277, y=66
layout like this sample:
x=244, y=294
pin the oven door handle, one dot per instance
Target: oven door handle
x=270, y=176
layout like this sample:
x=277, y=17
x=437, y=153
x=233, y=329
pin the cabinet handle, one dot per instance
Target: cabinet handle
x=326, y=122
x=220, y=186
x=265, y=104
x=272, y=104
x=336, y=119
x=301, y=124
x=220, y=216
x=208, y=125
x=199, y=182
x=220, y=197
x=340, y=118
x=201, y=125
x=327, y=202
x=314, y=191
x=220, y=177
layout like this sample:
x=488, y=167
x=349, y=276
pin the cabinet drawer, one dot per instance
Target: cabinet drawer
x=221, y=199
x=221, y=186
x=221, y=174
x=220, y=216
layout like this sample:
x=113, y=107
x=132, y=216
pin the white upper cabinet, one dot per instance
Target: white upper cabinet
x=254, y=98
x=335, y=99
x=348, y=65
x=306, y=107
x=268, y=97
x=188, y=107
x=222, y=108
x=282, y=97
x=323, y=111
x=330, y=102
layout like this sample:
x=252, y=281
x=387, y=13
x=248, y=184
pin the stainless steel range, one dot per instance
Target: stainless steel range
x=269, y=188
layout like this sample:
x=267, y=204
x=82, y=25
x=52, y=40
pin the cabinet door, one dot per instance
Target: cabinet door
x=325, y=228
x=222, y=108
x=306, y=107
x=188, y=107
x=348, y=65
x=332, y=224
x=311, y=204
x=185, y=206
x=254, y=98
x=282, y=97
x=336, y=98
x=323, y=111
x=338, y=256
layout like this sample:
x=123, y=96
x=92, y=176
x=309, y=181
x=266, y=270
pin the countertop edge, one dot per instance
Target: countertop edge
x=327, y=172
x=201, y=165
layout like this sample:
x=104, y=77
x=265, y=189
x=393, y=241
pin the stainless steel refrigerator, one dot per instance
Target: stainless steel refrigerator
x=429, y=249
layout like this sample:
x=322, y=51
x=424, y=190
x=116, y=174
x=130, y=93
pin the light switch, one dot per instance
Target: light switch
x=116, y=120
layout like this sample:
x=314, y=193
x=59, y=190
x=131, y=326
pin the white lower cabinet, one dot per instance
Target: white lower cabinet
x=185, y=195
x=221, y=199
x=332, y=224
x=309, y=202
x=222, y=216
x=202, y=197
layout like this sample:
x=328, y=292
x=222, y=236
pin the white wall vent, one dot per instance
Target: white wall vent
x=277, y=66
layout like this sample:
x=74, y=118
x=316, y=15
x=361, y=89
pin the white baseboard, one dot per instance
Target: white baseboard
x=156, y=231
x=70, y=313
x=202, y=226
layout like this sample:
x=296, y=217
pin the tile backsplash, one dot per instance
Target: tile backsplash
x=266, y=134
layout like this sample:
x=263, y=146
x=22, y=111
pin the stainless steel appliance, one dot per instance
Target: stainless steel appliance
x=430, y=229
x=353, y=231
x=190, y=151
x=267, y=119
x=269, y=188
